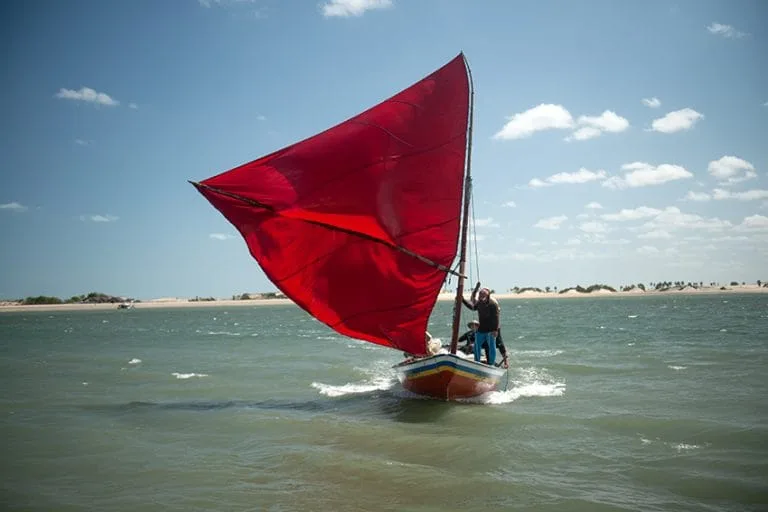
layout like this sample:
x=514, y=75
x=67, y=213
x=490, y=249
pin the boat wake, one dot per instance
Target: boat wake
x=378, y=384
x=529, y=382
x=380, y=377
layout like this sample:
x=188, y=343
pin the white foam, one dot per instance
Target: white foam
x=683, y=446
x=673, y=367
x=537, y=353
x=135, y=360
x=631, y=316
x=723, y=330
x=223, y=333
x=188, y=375
x=532, y=382
x=631, y=344
x=377, y=384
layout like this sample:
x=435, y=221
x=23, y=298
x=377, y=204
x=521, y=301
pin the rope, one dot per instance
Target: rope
x=474, y=237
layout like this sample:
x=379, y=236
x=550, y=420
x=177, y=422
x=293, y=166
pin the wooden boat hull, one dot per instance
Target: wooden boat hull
x=448, y=377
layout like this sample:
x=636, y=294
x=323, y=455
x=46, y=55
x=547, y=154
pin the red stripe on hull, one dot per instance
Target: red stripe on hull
x=447, y=385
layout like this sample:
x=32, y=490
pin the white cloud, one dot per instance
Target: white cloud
x=261, y=117
x=346, y=8
x=643, y=212
x=537, y=183
x=486, y=223
x=603, y=241
x=647, y=250
x=642, y=174
x=676, y=121
x=593, y=227
x=133, y=106
x=581, y=176
x=82, y=142
x=652, y=102
x=99, y=218
x=585, y=133
x=220, y=236
x=731, y=169
x=88, y=95
x=509, y=204
x=659, y=233
x=697, y=196
x=548, y=116
x=573, y=241
x=594, y=126
x=720, y=194
x=551, y=222
x=594, y=206
x=541, y=117
x=672, y=218
x=14, y=207
x=545, y=255
x=727, y=31
x=754, y=223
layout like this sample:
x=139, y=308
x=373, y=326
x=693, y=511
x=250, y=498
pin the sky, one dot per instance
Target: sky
x=614, y=142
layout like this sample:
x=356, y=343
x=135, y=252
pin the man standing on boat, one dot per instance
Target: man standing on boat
x=488, y=312
x=469, y=342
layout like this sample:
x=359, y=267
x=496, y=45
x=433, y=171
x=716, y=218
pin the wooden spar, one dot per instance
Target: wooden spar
x=465, y=217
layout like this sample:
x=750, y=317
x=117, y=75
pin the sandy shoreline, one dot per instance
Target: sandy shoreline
x=7, y=307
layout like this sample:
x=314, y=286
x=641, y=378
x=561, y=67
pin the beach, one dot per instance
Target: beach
x=177, y=302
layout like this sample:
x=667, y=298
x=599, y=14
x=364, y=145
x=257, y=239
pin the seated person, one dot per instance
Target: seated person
x=469, y=337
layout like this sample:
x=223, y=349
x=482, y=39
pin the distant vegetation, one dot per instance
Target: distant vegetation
x=91, y=298
x=631, y=287
x=590, y=288
x=257, y=296
x=528, y=289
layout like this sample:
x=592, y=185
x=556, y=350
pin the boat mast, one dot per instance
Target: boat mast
x=465, y=217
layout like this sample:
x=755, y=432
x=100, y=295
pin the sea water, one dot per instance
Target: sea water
x=633, y=403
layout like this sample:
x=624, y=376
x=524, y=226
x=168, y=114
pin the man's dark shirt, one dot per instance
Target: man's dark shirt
x=487, y=314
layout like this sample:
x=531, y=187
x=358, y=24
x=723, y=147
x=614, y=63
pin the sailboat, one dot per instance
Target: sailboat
x=360, y=224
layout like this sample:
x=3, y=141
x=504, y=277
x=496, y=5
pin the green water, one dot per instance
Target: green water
x=647, y=404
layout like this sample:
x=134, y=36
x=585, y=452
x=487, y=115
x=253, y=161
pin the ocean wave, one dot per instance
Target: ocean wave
x=537, y=353
x=528, y=383
x=135, y=360
x=188, y=375
x=350, y=388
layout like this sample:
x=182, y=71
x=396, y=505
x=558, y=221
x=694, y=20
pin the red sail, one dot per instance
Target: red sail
x=343, y=222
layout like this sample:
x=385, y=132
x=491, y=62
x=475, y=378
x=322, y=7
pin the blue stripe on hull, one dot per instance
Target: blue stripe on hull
x=453, y=364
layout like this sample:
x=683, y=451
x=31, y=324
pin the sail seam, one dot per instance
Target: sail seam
x=257, y=204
